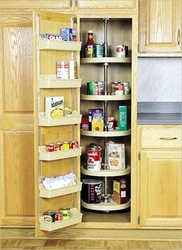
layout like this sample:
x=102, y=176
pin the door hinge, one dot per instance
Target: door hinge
x=139, y=156
x=138, y=220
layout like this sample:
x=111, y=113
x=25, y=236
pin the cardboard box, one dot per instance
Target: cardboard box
x=96, y=120
x=123, y=118
x=54, y=106
x=116, y=155
x=120, y=191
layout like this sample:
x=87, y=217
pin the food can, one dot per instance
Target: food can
x=101, y=88
x=92, y=88
x=93, y=159
x=73, y=144
x=98, y=49
x=110, y=123
x=58, y=216
x=50, y=147
x=120, y=50
x=126, y=88
x=91, y=190
x=49, y=216
x=66, y=145
x=67, y=111
x=117, y=88
x=59, y=146
x=62, y=69
x=65, y=213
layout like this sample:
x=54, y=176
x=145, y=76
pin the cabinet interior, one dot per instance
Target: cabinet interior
x=119, y=31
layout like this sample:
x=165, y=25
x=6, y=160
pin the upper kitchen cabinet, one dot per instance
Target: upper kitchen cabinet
x=160, y=26
x=116, y=4
x=52, y=4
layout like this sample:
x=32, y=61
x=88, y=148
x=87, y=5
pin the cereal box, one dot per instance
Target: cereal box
x=54, y=106
x=120, y=191
x=68, y=34
x=116, y=155
x=96, y=120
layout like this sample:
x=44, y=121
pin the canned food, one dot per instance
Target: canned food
x=74, y=144
x=92, y=88
x=59, y=146
x=49, y=216
x=58, y=216
x=126, y=88
x=62, y=69
x=50, y=147
x=66, y=145
x=98, y=49
x=120, y=50
x=93, y=159
x=65, y=213
x=67, y=111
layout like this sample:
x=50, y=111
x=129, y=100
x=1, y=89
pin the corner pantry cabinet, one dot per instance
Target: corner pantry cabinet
x=50, y=129
x=160, y=26
x=121, y=29
x=160, y=176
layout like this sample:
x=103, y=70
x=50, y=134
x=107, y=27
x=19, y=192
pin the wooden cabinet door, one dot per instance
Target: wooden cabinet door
x=160, y=189
x=23, y=4
x=116, y=4
x=16, y=122
x=160, y=26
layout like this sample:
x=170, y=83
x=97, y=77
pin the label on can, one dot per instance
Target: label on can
x=98, y=48
x=62, y=70
x=93, y=159
x=91, y=190
x=120, y=50
x=92, y=88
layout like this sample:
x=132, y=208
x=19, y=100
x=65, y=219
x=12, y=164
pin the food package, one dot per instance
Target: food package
x=116, y=155
x=54, y=106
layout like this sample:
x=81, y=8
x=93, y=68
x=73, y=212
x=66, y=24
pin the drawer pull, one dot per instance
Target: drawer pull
x=168, y=138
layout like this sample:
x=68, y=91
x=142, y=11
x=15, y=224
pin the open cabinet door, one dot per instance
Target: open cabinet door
x=56, y=121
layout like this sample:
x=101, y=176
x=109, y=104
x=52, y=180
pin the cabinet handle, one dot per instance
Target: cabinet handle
x=178, y=37
x=168, y=138
x=70, y=3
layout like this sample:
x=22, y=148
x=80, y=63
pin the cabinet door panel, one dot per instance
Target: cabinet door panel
x=64, y=4
x=107, y=4
x=160, y=26
x=161, y=188
x=17, y=174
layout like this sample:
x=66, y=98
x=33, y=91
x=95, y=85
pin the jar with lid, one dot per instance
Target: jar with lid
x=89, y=46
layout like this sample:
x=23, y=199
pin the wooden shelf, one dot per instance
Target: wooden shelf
x=112, y=133
x=50, y=81
x=45, y=44
x=75, y=118
x=109, y=206
x=45, y=193
x=76, y=217
x=105, y=97
x=57, y=155
x=107, y=173
x=106, y=60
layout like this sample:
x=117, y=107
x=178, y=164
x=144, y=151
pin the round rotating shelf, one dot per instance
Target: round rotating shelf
x=109, y=206
x=105, y=97
x=113, y=133
x=107, y=173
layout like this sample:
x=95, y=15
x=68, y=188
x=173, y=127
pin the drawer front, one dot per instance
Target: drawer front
x=161, y=138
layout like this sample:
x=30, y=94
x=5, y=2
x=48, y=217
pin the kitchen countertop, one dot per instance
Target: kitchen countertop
x=159, y=113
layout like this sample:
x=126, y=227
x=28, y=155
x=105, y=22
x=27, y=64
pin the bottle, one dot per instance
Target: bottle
x=89, y=46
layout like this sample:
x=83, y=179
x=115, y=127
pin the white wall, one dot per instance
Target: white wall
x=159, y=79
